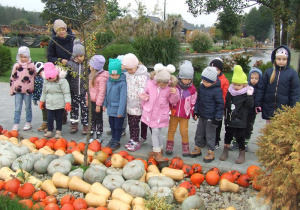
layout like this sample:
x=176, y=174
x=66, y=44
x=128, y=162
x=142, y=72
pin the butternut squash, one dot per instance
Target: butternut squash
x=79, y=185
x=175, y=174
x=94, y=200
x=143, y=178
x=115, y=204
x=150, y=174
x=5, y=171
x=60, y=180
x=29, y=144
x=4, y=138
x=35, y=181
x=121, y=195
x=96, y=161
x=138, y=203
x=153, y=169
x=60, y=153
x=180, y=194
x=49, y=187
x=99, y=189
x=14, y=140
x=227, y=186
x=117, y=161
x=26, y=175
x=90, y=152
x=46, y=150
x=79, y=158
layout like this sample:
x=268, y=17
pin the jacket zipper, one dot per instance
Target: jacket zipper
x=79, y=79
x=276, y=90
x=180, y=103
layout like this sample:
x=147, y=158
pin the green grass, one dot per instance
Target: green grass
x=10, y=204
x=36, y=54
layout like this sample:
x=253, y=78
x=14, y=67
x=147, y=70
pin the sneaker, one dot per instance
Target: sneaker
x=217, y=146
x=234, y=146
x=134, y=146
x=108, y=132
x=27, y=126
x=114, y=146
x=142, y=141
x=15, y=127
x=129, y=143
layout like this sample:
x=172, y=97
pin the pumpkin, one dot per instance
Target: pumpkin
x=255, y=185
x=99, y=189
x=63, y=166
x=49, y=187
x=227, y=186
x=130, y=158
x=176, y=163
x=72, y=143
x=80, y=203
x=39, y=205
x=212, y=178
x=244, y=180
x=27, y=161
x=67, y=199
x=101, y=156
x=7, y=134
x=197, y=168
x=2, y=183
x=81, y=146
x=52, y=206
x=59, y=153
x=33, y=139
x=50, y=199
x=40, y=143
x=60, y=144
x=112, y=182
x=60, y=180
x=180, y=194
x=117, y=161
x=216, y=170
x=78, y=184
x=19, y=150
x=94, y=174
x=77, y=172
x=7, y=158
x=189, y=186
x=50, y=144
x=71, y=149
x=136, y=188
x=12, y=185
x=11, y=195
x=67, y=207
x=176, y=174
x=26, y=190
x=111, y=170
x=95, y=146
x=41, y=165
x=14, y=133
x=236, y=174
x=133, y=170
x=123, y=153
x=107, y=150
x=162, y=192
x=197, y=179
x=193, y=202
x=188, y=170
x=144, y=161
x=228, y=176
x=253, y=171
x=26, y=203
x=95, y=200
x=69, y=157
x=152, y=161
x=39, y=195
x=107, y=163
x=161, y=181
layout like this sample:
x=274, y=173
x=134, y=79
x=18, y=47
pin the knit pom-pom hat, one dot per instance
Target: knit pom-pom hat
x=78, y=48
x=130, y=61
x=209, y=74
x=50, y=70
x=163, y=73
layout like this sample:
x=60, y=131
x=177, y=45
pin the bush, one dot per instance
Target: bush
x=103, y=39
x=5, y=59
x=199, y=63
x=201, y=41
x=263, y=66
x=248, y=42
x=237, y=41
x=278, y=152
x=152, y=50
x=243, y=60
x=112, y=51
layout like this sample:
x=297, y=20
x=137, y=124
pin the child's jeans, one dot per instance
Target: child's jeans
x=79, y=101
x=19, y=97
x=205, y=128
x=116, y=124
x=56, y=115
x=157, y=140
x=134, y=127
x=183, y=127
x=239, y=134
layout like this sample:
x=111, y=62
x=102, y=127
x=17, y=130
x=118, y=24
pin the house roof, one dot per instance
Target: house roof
x=186, y=25
x=154, y=19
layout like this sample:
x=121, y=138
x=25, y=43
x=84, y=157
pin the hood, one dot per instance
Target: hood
x=274, y=53
x=121, y=79
x=142, y=70
x=61, y=73
x=252, y=71
x=104, y=74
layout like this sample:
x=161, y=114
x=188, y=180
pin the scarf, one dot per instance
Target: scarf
x=235, y=92
x=184, y=86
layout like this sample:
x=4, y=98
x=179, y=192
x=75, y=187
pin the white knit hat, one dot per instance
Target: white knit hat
x=282, y=51
x=23, y=50
x=163, y=73
x=186, y=70
x=59, y=24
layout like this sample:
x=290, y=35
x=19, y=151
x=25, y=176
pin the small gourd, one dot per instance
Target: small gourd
x=227, y=186
x=117, y=204
x=99, y=189
x=94, y=200
x=79, y=185
x=134, y=170
x=59, y=165
x=121, y=195
x=175, y=174
x=161, y=192
x=113, y=182
x=60, y=180
x=180, y=194
x=117, y=161
x=49, y=187
x=136, y=188
x=153, y=169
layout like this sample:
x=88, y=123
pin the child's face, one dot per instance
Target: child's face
x=206, y=83
x=238, y=86
x=131, y=70
x=186, y=81
x=254, y=78
x=162, y=85
x=115, y=76
x=61, y=32
x=52, y=79
x=79, y=58
x=219, y=71
x=23, y=58
x=281, y=60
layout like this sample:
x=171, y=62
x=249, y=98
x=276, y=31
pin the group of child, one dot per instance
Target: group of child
x=156, y=100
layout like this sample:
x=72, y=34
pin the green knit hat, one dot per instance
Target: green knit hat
x=239, y=76
x=114, y=66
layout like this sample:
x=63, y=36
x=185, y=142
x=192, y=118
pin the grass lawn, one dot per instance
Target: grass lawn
x=36, y=54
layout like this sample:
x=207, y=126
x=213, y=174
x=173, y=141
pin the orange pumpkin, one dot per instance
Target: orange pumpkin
x=176, y=163
x=26, y=190
x=130, y=158
x=53, y=140
x=14, y=133
x=197, y=179
x=255, y=185
x=253, y=171
x=26, y=203
x=123, y=153
x=40, y=143
x=108, y=162
x=67, y=199
x=50, y=199
x=95, y=146
x=2, y=183
x=39, y=195
x=11, y=195
x=52, y=206
x=39, y=205
x=7, y=134
x=197, y=168
x=12, y=185
x=212, y=178
x=101, y=208
x=189, y=186
x=152, y=161
x=79, y=203
x=216, y=170
x=65, y=140
x=60, y=143
x=72, y=143
x=144, y=161
x=67, y=207
x=188, y=170
x=81, y=146
x=236, y=174
x=71, y=149
x=50, y=144
x=228, y=176
x=107, y=150
x=244, y=180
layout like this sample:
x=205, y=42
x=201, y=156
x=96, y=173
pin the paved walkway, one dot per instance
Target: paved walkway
x=7, y=115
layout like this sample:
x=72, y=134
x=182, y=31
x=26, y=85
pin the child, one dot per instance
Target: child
x=77, y=80
x=254, y=77
x=115, y=101
x=56, y=95
x=97, y=87
x=38, y=87
x=180, y=113
x=22, y=86
x=160, y=90
x=136, y=79
x=239, y=100
x=279, y=86
x=209, y=110
x=218, y=63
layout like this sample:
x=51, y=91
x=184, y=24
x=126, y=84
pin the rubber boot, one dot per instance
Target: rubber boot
x=209, y=157
x=43, y=127
x=185, y=149
x=74, y=128
x=224, y=155
x=85, y=130
x=169, y=147
x=241, y=158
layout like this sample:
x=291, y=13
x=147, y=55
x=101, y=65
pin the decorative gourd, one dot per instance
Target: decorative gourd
x=176, y=174
x=60, y=153
x=161, y=192
x=60, y=180
x=134, y=170
x=7, y=158
x=46, y=151
x=115, y=204
x=228, y=186
x=176, y=163
x=151, y=174
x=253, y=171
x=153, y=169
x=112, y=182
x=20, y=150
x=60, y=143
x=69, y=157
x=41, y=165
x=26, y=161
x=197, y=179
x=180, y=194
x=136, y=188
x=95, y=146
x=95, y=200
x=116, y=171
x=161, y=181
x=121, y=195
x=244, y=180
x=59, y=165
x=79, y=185
x=189, y=186
x=99, y=189
x=35, y=181
x=77, y=172
x=130, y=158
x=117, y=161
x=212, y=178
x=49, y=187
x=26, y=190
x=193, y=202
x=228, y=176
x=197, y=168
x=39, y=195
x=93, y=174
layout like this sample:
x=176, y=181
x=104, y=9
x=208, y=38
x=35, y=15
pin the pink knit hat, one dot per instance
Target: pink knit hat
x=130, y=61
x=50, y=70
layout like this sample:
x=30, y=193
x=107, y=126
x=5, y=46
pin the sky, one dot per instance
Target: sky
x=172, y=7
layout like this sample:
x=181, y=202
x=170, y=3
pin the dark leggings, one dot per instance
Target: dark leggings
x=134, y=127
x=56, y=115
x=239, y=134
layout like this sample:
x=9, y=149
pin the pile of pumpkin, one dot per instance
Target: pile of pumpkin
x=115, y=181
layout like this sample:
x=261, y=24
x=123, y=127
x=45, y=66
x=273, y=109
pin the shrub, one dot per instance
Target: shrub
x=242, y=59
x=228, y=64
x=237, y=41
x=278, y=152
x=5, y=59
x=263, y=66
x=248, y=42
x=199, y=63
x=201, y=41
x=103, y=38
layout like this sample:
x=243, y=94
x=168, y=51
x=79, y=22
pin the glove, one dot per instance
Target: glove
x=216, y=122
x=257, y=109
x=68, y=107
x=35, y=102
x=250, y=91
x=41, y=105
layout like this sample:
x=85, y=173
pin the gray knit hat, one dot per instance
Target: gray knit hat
x=210, y=74
x=186, y=70
x=78, y=48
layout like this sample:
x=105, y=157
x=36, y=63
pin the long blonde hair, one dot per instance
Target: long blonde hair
x=93, y=76
x=272, y=78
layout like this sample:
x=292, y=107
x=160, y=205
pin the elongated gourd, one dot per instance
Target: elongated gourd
x=60, y=180
x=153, y=169
x=35, y=181
x=60, y=153
x=94, y=200
x=46, y=150
x=99, y=189
x=175, y=174
x=226, y=186
x=150, y=174
x=49, y=187
x=79, y=185
x=121, y=195
x=138, y=203
x=79, y=158
x=117, y=204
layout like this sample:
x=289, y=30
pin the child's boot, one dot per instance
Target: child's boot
x=74, y=128
x=246, y=145
x=43, y=126
x=224, y=155
x=185, y=149
x=209, y=157
x=48, y=134
x=241, y=158
x=196, y=152
x=150, y=154
x=57, y=134
x=85, y=130
x=158, y=156
x=169, y=147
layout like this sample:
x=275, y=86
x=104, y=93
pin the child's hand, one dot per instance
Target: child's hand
x=144, y=96
x=250, y=91
x=64, y=61
x=68, y=107
x=119, y=116
x=104, y=108
x=98, y=109
x=41, y=105
x=195, y=116
x=257, y=109
x=173, y=90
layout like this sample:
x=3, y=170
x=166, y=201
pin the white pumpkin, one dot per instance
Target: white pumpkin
x=113, y=182
x=115, y=171
x=41, y=165
x=193, y=202
x=59, y=165
x=136, y=188
x=7, y=158
x=161, y=192
x=134, y=170
x=94, y=174
x=77, y=172
x=20, y=150
x=161, y=181
x=26, y=161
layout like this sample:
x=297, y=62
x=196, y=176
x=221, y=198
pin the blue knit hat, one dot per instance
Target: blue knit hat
x=255, y=70
x=114, y=66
